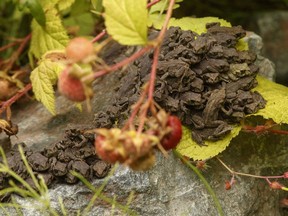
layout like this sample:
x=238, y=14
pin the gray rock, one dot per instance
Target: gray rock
x=170, y=188
x=272, y=27
x=266, y=67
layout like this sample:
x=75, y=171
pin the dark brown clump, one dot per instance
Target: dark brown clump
x=203, y=79
x=75, y=152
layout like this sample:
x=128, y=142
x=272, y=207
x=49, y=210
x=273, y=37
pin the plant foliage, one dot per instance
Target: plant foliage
x=126, y=21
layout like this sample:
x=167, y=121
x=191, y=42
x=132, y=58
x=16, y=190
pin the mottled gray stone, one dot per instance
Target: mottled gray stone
x=170, y=188
x=266, y=67
x=273, y=28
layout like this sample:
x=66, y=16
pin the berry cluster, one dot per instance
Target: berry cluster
x=136, y=149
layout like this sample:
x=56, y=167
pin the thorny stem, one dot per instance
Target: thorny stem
x=8, y=103
x=245, y=174
x=15, y=55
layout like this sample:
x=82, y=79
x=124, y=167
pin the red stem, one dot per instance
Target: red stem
x=245, y=174
x=154, y=66
x=117, y=65
x=278, y=131
x=99, y=36
x=152, y=3
x=8, y=46
x=9, y=102
x=15, y=55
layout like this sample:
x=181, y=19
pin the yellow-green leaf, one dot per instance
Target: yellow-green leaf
x=49, y=37
x=126, y=21
x=276, y=96
x=162, y=6
x=197, y=25
x=43, y=77
x=64, y=4
x=192, y=150
x=37, y=11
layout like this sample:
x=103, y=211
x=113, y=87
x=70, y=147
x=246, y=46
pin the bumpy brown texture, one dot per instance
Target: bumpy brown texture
x=203, y=79
x=75, y=152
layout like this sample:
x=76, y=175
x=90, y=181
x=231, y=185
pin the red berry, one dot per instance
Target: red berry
x=285, y=175
x=71, y=87
x=171, y=140
x=275, y=185
x=79, y=48
x=227, y=185
x=111, y=156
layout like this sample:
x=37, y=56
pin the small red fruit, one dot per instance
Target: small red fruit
x=71, y=87
x=285, y=175
x=79, y=48
x=227, y=185
x=171, y=140
x=111, y=156
x=276, y=185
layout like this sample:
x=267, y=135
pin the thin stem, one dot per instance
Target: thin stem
x=166, y=22
x=152, y=3
x=14, y=57
x=245, y=174
x=8, y=46
x=99, y=36
x=136, y=108
x=13, y=99
x=117, y=65
x=151, y=88
x=154, y=67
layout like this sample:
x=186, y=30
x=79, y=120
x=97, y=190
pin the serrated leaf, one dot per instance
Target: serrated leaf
x=64, y=4
x=276, y=96
x=126, y=21
x=192, y=150
x=49, y=37
x=48, y=4
x=43, y=77
x=163, y=6
x=37, y=11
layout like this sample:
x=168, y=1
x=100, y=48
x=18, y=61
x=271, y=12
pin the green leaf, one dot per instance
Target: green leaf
x=162, y=6
x=52, y=36
x=192, y=150
x=43, y=78
x=276, y=96
x=97, y=5
x=64, y=4
x=242, y=45
x=197, y=25
x=37, y=11
x=126, y=21
x=80, y=18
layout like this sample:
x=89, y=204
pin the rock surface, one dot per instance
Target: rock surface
x=273, y=28
x=170, y=188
